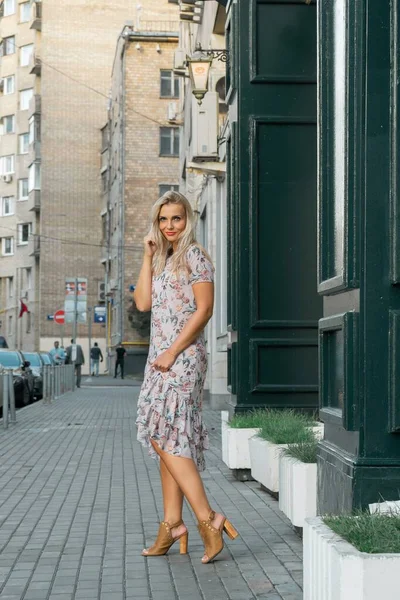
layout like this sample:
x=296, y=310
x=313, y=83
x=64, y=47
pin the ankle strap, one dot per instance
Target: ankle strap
x=172, y=526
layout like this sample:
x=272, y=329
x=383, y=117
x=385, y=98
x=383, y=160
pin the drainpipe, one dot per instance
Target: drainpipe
x=122, y=198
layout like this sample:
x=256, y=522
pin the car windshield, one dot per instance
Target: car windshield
x=46, y=359
x=33, y=359
x=10, y=359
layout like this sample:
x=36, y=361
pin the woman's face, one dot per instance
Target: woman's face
x=172, y=221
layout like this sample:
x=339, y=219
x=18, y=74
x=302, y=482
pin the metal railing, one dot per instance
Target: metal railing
x=57, y=380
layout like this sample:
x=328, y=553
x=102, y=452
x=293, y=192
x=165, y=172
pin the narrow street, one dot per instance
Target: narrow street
x=79, y=499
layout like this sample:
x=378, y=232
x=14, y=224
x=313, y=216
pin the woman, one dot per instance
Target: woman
x=176, y=283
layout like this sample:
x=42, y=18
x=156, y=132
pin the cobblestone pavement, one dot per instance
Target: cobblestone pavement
x=79, y=499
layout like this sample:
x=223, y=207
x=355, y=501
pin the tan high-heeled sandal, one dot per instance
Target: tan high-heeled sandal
x=212, y=537
x=165, y=540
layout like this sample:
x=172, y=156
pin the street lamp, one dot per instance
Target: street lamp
x=199, y=69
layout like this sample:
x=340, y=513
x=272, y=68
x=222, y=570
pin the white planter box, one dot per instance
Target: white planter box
x=297, y=490
x=264, y=458
x=335, y=570
x=235, y=444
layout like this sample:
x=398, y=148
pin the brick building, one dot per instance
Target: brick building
x=78, y=50
x=140, y=154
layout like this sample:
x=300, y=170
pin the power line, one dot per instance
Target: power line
x=92, y=89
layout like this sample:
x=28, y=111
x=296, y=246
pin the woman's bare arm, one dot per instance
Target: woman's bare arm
x=204, y=296
x=142, y=293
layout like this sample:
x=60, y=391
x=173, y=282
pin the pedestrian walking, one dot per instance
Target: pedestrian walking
x=96, y=356
x=176, y=284
x=120, y=361
x=58, y=353
x=74, y=354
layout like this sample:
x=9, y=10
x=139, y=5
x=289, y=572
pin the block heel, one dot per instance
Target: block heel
x=230, y=530
x=183, y=543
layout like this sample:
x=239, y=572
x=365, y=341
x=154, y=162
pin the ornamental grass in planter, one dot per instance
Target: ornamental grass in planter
x=279, y=428
x=298, y=481
x=352, y=557
x=235, y=437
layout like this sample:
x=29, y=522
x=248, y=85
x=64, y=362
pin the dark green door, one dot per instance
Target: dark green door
x=274, y=306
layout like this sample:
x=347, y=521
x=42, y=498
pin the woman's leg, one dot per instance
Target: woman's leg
x=172, y=501
x=172, y=496
x=187, y=477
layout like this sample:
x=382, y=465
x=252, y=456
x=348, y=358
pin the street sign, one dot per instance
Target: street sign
x=100, y=314
x=59, y=317
x=78, y=304
x=50, y=317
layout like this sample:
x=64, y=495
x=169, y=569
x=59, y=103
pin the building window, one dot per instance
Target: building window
x=9, y=85
x=24, y=143
x=25, y=56
x=10, y=325
x=8, y=8
x=34, y=177
x=8, y=46
x=7, y=164
x=7, y=206
x=25, y=98
x=8, y=124
x=169, y=141
x=28, y=278
x=169, y=84
x=24, y=231
x=23, y=189
x=10, y=287
x=8, y=246
x=163, y=188
x=25, y=12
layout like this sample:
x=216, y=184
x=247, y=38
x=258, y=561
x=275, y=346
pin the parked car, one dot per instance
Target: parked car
x=22, y=376
x=47, y=358
x=36, y=365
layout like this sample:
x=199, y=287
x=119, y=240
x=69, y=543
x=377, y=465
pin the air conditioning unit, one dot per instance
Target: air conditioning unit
x=101, y=293
x=179, y=59
x=205, y=128
x=172, y=112
x=7, y=178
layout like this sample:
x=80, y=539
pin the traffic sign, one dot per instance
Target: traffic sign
x=50, y=317
x=99, y=314
x=59, y=317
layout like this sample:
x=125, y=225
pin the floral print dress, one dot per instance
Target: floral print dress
x=169, y=405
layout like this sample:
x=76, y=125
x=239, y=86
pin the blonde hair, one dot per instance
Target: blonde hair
x=186, y=238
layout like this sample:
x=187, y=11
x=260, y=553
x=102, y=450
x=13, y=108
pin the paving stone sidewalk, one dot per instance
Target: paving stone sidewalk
x=79, y=499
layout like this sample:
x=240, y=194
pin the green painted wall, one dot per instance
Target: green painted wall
x=273, y=306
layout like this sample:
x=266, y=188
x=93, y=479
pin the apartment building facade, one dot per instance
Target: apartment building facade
x=140, y=157
x=20, y=170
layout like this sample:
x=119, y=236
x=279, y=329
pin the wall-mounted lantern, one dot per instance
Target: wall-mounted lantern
x=199, y=69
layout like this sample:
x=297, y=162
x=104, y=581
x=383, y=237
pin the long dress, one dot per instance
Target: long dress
x=170, y=404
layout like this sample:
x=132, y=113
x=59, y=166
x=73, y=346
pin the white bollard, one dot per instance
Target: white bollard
x=13, y=414
x=5, y=400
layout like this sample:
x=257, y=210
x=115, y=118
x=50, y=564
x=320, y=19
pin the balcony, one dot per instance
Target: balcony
x=34, y=153
x=36, y=66
x=37, y=16
x=34, y=200
x=34, y=246
x=35, y=105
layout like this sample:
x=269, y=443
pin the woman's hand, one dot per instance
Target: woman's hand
x=149, y=245
x=164, y=361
